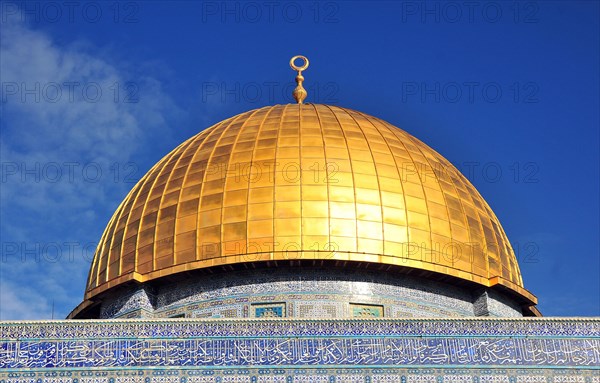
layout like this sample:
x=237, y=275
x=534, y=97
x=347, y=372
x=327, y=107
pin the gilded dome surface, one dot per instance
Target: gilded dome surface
x=304, y=181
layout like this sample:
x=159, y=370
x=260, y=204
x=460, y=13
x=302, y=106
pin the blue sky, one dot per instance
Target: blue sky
x=94, y=93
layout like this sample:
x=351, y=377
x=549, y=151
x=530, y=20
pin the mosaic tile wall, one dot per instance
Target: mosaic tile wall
x=307, y=293
x=285, y=350
x=140, y=301
x=499, y=305
x=325, y=375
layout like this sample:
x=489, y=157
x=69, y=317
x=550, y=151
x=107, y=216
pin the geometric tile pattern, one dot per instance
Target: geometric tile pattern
x=303, y=181
x=580, y=328
x=309, y=293
x=323, y=375
x=269, y=310
x=366, y=311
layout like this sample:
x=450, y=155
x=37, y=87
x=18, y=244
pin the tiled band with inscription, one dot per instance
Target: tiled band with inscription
x=289, y=350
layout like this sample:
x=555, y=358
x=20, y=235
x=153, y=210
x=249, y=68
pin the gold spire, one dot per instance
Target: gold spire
x=299, y=93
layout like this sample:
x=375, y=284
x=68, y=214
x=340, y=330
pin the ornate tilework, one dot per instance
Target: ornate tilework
x=269, y=310
x=140, y=302
x=325, y=374
x=301, y=351
x=366, y=311
x=314, y=310
x=374, y=350
x=524, y=327
x=314, y=293
x=500, y=306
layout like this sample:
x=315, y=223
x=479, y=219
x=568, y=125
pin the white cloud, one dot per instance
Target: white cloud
x=21, y=303
x=57, y=127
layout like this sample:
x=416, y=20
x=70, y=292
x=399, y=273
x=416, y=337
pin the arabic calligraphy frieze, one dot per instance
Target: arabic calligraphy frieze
x=220, y=352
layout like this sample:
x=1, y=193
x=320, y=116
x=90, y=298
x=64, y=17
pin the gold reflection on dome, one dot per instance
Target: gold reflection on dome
x=303, y=181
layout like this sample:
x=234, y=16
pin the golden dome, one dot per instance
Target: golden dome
x=304, y=181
